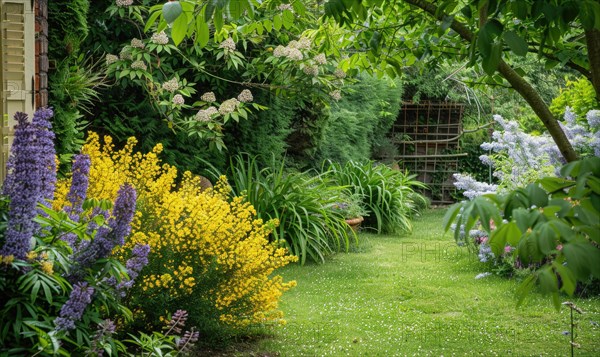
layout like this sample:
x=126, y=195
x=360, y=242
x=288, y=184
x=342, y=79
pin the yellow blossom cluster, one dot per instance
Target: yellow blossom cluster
x=7, y=259
x=193, y=233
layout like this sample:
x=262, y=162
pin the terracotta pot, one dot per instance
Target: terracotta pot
x=354, y=223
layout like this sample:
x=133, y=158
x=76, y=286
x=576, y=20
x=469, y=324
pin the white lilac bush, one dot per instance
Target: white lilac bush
x=518, y=158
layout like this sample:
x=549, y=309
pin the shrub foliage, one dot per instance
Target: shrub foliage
x=209, y=254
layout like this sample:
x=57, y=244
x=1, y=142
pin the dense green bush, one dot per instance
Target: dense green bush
x=301, y=202
x=264, y=134
x=360, y=120
x=388, y=195
x=552, y=226
x=579, y=95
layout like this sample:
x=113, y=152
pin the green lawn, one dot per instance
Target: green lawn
x=417, y=295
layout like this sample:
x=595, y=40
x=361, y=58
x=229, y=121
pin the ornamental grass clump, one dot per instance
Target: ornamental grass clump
x=389, y=196
x=209, y=255
x=300, y=202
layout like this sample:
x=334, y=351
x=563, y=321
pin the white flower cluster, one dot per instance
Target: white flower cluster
x=303, y=43
x=311, y=71
x=159, y=38
x=124, y=2
x=139, y=65
x=171, y=85
x=280, y=51
x=283, y=7
x=178, y=99
x=336, y=94
x=208, y=97
x=125, y=53
x=206, y=114
x=110, y=59
x=137, y=43
x=339, y=73
x=245, y=96
x=293, y=49
x=228, y=44
x=320, y=58
x=593, y=119
x=294, y=54
x=228, y=106
x=471, y=187
x=524, y=158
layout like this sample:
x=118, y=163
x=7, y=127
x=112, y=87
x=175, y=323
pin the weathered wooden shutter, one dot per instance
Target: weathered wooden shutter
x=17, y=67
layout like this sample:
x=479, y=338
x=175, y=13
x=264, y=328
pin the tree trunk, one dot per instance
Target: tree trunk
x=540, y=108
x=516, y=81
x=592, y=39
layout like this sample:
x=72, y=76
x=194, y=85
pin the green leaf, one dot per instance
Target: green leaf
x=218, y=20
x=566, y=277
x=554, y=184
x=582, y=258
x=525, y=288
x=537, y=196
x=202, y=32
x=516, y=43
x=374, y=41
x=179, y=29
x=151, y=20
x=450, y=215
x=277, y=22
x=288, y=19
x=548, y=280
x=268, y=25
x=507, y=233
x=490, y=63
x=209, y=10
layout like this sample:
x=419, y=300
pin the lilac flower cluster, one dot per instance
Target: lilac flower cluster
x=73, y=309
x=593, y=119
x=519, y=158
x=471, y=187
x=485, y=253
x=31, y=177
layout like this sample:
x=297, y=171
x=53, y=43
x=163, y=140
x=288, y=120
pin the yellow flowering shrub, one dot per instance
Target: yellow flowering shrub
x=209, y=255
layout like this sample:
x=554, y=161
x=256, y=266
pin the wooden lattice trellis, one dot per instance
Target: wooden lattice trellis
x=427, y=137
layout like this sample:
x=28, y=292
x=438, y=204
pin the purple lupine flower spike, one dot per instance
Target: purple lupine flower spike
x=134, y=265
x=79, y=185
x=73, y=309
x=31, y=176
x=47, y=153
x=123, y=212
x=77, y=193
x=106, y=238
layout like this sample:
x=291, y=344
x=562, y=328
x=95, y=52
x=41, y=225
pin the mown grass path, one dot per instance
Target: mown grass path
x=417, y=295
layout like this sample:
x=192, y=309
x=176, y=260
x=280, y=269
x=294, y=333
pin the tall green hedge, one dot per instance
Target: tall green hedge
x=360, y=120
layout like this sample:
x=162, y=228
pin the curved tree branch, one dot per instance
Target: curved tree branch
x=516, y=81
